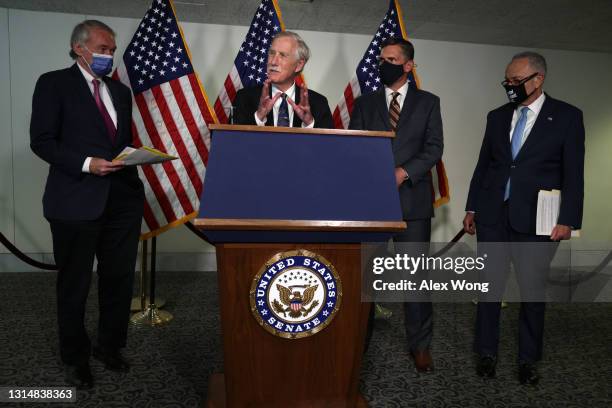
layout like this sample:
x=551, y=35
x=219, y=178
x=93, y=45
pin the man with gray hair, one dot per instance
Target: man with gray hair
x=531, y=144
x=280, y=101
x=81, y=119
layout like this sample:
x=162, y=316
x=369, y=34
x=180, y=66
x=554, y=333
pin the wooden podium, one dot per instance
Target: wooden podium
x=273, y=196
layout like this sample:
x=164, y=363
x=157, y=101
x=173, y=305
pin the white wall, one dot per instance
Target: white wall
x=6, y=148
x=465, y=76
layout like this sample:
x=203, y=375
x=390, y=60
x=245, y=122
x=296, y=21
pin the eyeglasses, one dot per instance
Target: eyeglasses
x=515, y=82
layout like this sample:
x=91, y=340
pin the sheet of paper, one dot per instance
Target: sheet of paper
x=548, y=211
x=143, y=155
x=547, y=215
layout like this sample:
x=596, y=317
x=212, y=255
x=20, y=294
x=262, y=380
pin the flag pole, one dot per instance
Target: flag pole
x=140, y=302
x=151, y=316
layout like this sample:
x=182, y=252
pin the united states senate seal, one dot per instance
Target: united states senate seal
x=296, y=294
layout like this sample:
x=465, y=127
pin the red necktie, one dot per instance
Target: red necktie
x=110, y=126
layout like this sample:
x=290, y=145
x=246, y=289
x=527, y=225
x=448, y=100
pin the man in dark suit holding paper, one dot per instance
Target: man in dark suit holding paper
x=81, y=119
x=533, y=143
x=280, y=101
x=414, y=116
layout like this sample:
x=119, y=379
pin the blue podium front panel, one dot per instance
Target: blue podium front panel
x=297, y=176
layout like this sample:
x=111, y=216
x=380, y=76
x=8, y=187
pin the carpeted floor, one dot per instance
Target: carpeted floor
x=171, y=365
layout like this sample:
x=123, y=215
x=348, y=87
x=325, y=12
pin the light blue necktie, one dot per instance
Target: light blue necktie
x=517, y=137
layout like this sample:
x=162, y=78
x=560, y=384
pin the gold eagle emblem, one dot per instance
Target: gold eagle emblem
x=295, y=303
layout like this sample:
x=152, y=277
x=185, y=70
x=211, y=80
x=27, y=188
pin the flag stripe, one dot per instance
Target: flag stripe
x=220, y=111
x=200, y=136
x=202, y=118
x=166, y=181
x=151, y=202
x=180, y=181
x=188, y=134
x=149, y=217
x=203, y=104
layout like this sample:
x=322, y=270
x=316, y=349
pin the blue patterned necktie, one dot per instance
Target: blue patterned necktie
x=517, y=137
x=283, y=112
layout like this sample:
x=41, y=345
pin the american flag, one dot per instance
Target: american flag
x=249, y=67
x=171, y=113
x=367, y=80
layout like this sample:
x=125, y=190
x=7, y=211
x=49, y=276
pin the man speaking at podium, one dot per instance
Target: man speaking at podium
x=280, y=101
x=414, y=116
x=81, y=120
x=533, y=143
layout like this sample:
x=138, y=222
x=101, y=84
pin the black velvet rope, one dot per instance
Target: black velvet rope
x=50, y=267
x=23, y=257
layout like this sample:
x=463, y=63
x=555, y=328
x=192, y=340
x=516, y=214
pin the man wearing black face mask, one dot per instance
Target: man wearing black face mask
x=533, y=143
x=414, y=116
x=81, y=120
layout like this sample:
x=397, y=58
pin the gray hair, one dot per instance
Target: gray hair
x=303, y=52
x=80, y=33
x=535, y=60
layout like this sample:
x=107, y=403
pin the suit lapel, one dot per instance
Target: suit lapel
x=85, y=95
x=408, y=107
x=270, y=117
x=297, y=122
x=539, y=126
x=381, y=107
x=505, y=134
x=114, y=94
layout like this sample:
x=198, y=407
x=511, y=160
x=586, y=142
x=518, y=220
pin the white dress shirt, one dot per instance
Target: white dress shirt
x=106, y=99
x=290, y=94
x=400, y=98
x=532, y=114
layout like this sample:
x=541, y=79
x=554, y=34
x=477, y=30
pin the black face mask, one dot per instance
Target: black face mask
x=389, y=73
x=517, y=93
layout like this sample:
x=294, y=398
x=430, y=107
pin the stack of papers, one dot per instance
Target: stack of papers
x=143, y=155
x=549, y=203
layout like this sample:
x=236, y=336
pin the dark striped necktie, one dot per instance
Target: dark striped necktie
x=394, y=111
x=283, y=112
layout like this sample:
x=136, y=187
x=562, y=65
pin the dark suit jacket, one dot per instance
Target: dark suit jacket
x=66, y=128
x=247, y=101
x=417, y=146
x=552, y=157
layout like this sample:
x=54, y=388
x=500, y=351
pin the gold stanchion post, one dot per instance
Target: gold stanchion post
x=137, y=303
x=151, y=315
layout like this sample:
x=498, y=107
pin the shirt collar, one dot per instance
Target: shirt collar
x=403, y=90
x=535, y=106
x=87, y=75
x=289, y=92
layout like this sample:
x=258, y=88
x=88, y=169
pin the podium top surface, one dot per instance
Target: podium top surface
x=301, y=131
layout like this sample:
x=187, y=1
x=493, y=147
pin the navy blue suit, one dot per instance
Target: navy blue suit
x=90, y=216
x=552, y=157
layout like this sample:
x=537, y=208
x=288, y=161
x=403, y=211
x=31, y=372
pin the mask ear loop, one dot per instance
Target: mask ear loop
x=92, y=53
x=535, y=74
x=85, y=61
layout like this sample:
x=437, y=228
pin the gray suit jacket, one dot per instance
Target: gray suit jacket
x=417, y=146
